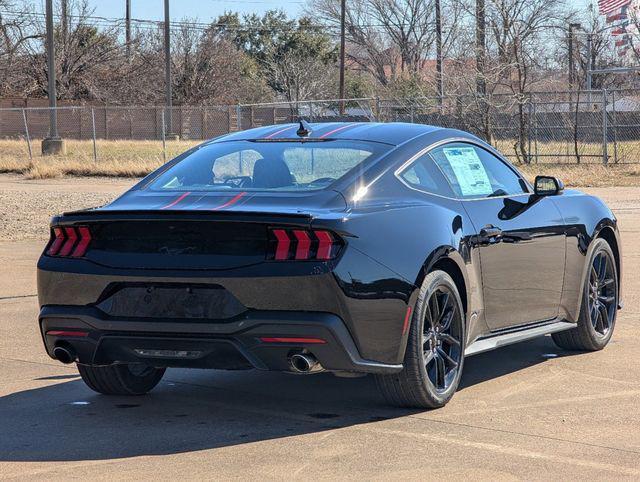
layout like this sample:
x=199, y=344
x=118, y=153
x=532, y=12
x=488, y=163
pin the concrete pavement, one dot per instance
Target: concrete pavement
x=528, y=411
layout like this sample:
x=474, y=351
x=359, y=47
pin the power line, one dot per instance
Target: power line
x=156, y=24
x=196, y=25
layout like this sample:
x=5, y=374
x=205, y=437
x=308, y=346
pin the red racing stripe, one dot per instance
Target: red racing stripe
x=230, y=202
x=279, y=132
x=341, y=128
x=176, y=201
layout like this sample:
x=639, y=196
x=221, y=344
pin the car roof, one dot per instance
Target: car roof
x=393, y=133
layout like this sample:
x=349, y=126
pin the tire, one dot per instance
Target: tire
x=421, y=383
x=592, y=332
x=121, y=379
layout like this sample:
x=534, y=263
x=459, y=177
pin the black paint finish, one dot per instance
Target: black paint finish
x=516, y=260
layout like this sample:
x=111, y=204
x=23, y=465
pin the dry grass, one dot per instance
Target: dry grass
x=587, y=175
x=115, y=158
x=137, y=158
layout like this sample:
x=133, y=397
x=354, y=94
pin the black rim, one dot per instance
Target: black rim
x=602, y=293
x=442, y=338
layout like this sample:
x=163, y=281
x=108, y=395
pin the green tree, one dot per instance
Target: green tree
x=295, y=57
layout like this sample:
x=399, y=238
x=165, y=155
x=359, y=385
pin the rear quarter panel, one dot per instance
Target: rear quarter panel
x=394, y=236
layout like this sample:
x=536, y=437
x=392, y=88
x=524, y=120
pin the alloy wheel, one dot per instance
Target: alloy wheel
x=442, y=338
x=602, y=293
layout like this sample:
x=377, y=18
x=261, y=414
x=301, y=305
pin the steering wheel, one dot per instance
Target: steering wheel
x=238, y=181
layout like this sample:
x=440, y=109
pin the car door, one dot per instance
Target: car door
x=520, y=236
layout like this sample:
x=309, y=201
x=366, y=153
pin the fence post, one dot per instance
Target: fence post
x=535, y=132
x=164, y=143
x=26, y=132
x=130, y=123
x=203, y=121
x=529, y=114
x=605, y=154
x=238, y=117
x=93, y=129
x=614, y=119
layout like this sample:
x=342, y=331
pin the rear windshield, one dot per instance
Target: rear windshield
x=281, y=166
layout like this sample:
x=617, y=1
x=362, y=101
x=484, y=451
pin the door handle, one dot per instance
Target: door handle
x=491, y=233
x=516, y=236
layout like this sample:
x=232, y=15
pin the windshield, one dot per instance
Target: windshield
x=282, y=166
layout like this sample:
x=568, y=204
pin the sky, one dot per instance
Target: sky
x=202, y=9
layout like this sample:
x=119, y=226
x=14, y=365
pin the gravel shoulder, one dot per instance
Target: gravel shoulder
x=27, y=206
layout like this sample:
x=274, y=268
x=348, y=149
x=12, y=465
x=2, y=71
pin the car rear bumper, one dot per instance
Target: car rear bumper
x=365, y=297
x=250, y=340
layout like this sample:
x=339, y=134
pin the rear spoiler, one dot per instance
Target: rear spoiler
x=279, y=218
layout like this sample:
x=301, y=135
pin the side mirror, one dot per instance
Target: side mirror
x=548, y=186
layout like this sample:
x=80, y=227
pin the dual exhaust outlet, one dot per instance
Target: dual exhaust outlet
x=304, y=363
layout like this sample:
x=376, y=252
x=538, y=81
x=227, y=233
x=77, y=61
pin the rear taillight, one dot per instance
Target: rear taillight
x=302, y=244
x=69, y=241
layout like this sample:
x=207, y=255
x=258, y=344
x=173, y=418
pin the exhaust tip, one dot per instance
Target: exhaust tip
x=304, y=363
x=64, y=354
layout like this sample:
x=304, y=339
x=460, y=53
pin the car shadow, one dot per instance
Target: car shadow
x=194, y=410
x=190, y=410
x=509, y=359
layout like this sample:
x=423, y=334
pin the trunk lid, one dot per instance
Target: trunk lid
x=263, y=202
x=194, y=231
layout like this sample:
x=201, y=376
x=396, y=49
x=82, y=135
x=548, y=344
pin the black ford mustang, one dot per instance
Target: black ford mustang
x=392, y=249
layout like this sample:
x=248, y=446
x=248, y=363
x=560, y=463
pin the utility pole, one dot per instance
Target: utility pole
x=127, y=28
x=64, y=7
x=481, y=84
x=439, y=76
x=167, y=66
x=52, y=144
x=343, y=14
x=572, y=55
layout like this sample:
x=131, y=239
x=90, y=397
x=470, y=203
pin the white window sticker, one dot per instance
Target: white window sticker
x=469, y=171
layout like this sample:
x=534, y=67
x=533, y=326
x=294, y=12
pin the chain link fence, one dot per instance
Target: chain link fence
x=552, y=127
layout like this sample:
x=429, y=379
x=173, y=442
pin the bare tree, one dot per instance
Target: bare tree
x=387, y=38
x=207, y=67
x=523, y=41
x=523, y=32
x=86, y=58
x=16, y=31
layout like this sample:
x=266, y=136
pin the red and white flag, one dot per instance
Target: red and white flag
x=608, y=6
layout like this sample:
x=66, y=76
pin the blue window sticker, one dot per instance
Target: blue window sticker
x=469, y=171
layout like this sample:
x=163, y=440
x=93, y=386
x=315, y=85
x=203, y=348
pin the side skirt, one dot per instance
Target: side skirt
x=502, y=339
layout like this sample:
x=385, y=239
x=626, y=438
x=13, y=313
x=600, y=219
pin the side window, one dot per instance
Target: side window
x=424, y=175
x=476, y=173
